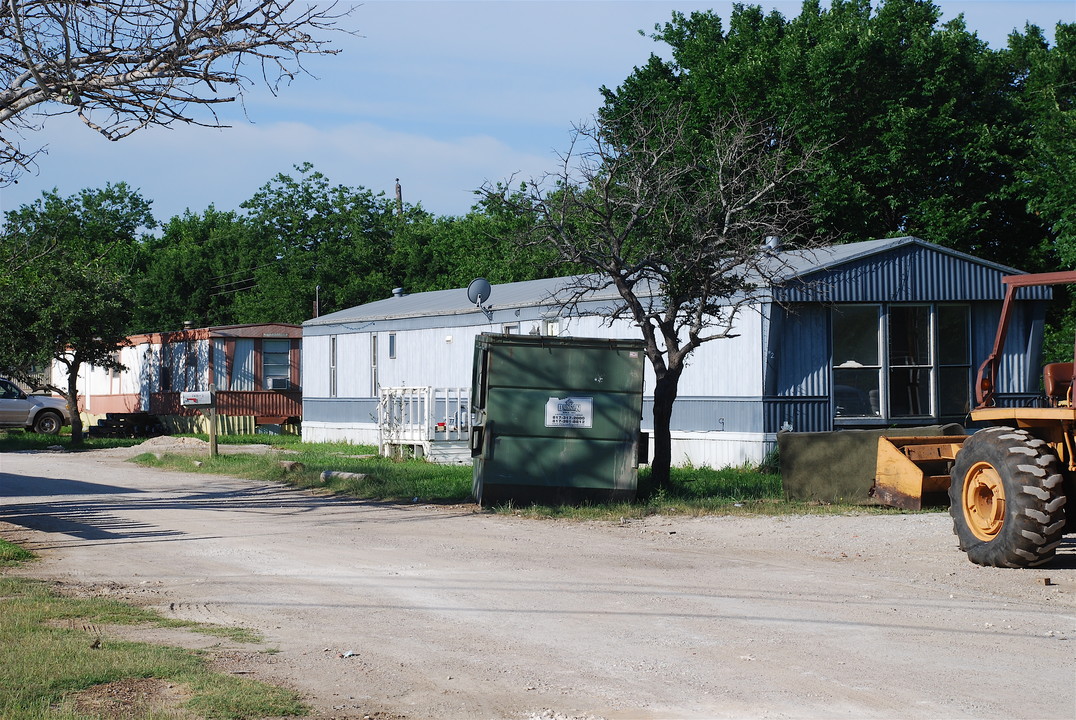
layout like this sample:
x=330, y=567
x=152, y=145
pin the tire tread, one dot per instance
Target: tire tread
x=1034, y=498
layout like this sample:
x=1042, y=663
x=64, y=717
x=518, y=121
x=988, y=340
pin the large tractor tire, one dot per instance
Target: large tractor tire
x=1007, y=498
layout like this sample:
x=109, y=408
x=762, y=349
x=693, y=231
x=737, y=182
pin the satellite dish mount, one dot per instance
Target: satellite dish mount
x=478, y=292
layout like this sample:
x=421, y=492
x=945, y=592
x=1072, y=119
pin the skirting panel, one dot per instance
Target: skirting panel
x=354, y=433
x=720, y=449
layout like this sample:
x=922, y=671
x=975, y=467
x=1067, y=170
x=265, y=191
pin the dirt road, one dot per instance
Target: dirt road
x=430, y=612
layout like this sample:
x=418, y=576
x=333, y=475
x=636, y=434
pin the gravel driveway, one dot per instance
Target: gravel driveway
x=387, y=611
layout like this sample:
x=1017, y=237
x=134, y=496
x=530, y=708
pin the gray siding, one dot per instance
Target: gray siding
x=342, y=410
x=710, y=414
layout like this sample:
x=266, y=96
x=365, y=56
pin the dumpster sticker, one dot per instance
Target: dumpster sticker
x=577, y=412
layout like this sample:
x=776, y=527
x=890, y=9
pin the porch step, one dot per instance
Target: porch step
x=446, y=452
x=452, y=452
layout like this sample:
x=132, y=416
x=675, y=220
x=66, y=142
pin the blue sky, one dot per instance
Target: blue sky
x=443, y=94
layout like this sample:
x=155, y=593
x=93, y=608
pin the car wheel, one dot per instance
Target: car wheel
x=47, y=423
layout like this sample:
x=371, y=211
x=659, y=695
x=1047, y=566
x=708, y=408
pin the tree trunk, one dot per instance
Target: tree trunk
x=72, y=403
x=665, y=390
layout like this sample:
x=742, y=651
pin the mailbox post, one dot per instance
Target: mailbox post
x=204, y=400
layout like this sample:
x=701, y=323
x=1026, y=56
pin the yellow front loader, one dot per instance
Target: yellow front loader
x=1008, y=484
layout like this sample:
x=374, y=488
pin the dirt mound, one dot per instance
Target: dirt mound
x=168, y=443
x=135, y=698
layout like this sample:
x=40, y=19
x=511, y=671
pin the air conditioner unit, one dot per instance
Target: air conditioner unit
x=279, y=383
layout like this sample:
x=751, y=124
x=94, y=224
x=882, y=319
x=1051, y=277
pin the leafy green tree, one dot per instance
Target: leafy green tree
x=438, y=253
x=66, y=294
x=1045, y=82
x=315, y=240
x=194, y=271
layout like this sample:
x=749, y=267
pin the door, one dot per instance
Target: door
x=14, y=407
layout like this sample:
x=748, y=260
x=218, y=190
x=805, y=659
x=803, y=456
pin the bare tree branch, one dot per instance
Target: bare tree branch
x=123, y=65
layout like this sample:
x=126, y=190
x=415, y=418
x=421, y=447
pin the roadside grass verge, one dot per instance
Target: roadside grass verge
x=15, y=440
x=382, y=479
x=693, y=491
x=48, y=655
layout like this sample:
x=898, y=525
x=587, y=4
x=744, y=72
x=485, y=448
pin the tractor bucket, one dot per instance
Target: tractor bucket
x=913, y=472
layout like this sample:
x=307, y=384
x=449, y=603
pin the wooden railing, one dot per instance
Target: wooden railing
x=259, y=403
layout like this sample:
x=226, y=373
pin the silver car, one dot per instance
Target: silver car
x=37, y=413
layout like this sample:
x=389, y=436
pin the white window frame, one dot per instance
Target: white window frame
x=375, y=387
x=333, y=389
x=270, y=369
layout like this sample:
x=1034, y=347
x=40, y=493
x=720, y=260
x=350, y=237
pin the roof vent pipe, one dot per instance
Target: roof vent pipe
x=397, y=292
x=772, y=242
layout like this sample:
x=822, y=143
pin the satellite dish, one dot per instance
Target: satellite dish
x=479, y=291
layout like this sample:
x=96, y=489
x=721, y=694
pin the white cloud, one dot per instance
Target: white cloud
x=195, y=167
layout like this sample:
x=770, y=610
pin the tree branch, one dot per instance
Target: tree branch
x=123, y=66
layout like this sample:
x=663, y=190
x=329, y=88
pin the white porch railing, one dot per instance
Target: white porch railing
x=421, y=417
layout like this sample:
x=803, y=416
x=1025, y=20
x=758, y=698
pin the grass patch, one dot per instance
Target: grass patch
x=12, y=554
x=47, y=656
x=696, y=491
x=15, y=440
x=383, y=479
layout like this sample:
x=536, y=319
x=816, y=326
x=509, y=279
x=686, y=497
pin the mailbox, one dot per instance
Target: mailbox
x=196, y=399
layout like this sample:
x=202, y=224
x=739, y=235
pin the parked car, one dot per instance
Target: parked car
x=38, y=413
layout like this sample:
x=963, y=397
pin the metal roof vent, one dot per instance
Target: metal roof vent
x=772, y=243
x=397, y=292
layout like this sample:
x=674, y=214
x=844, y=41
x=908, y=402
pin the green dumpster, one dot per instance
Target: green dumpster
x=555, y=420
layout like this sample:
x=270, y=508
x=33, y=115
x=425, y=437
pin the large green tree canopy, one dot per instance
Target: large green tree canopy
x=927, y=130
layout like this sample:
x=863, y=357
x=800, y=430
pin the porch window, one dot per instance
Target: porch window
x=276, y=364
x=954, y=360
x=901, y=361
x=857, y=361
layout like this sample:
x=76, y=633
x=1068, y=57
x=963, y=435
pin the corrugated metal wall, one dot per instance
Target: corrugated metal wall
x=908, y=274
x=798, y=351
